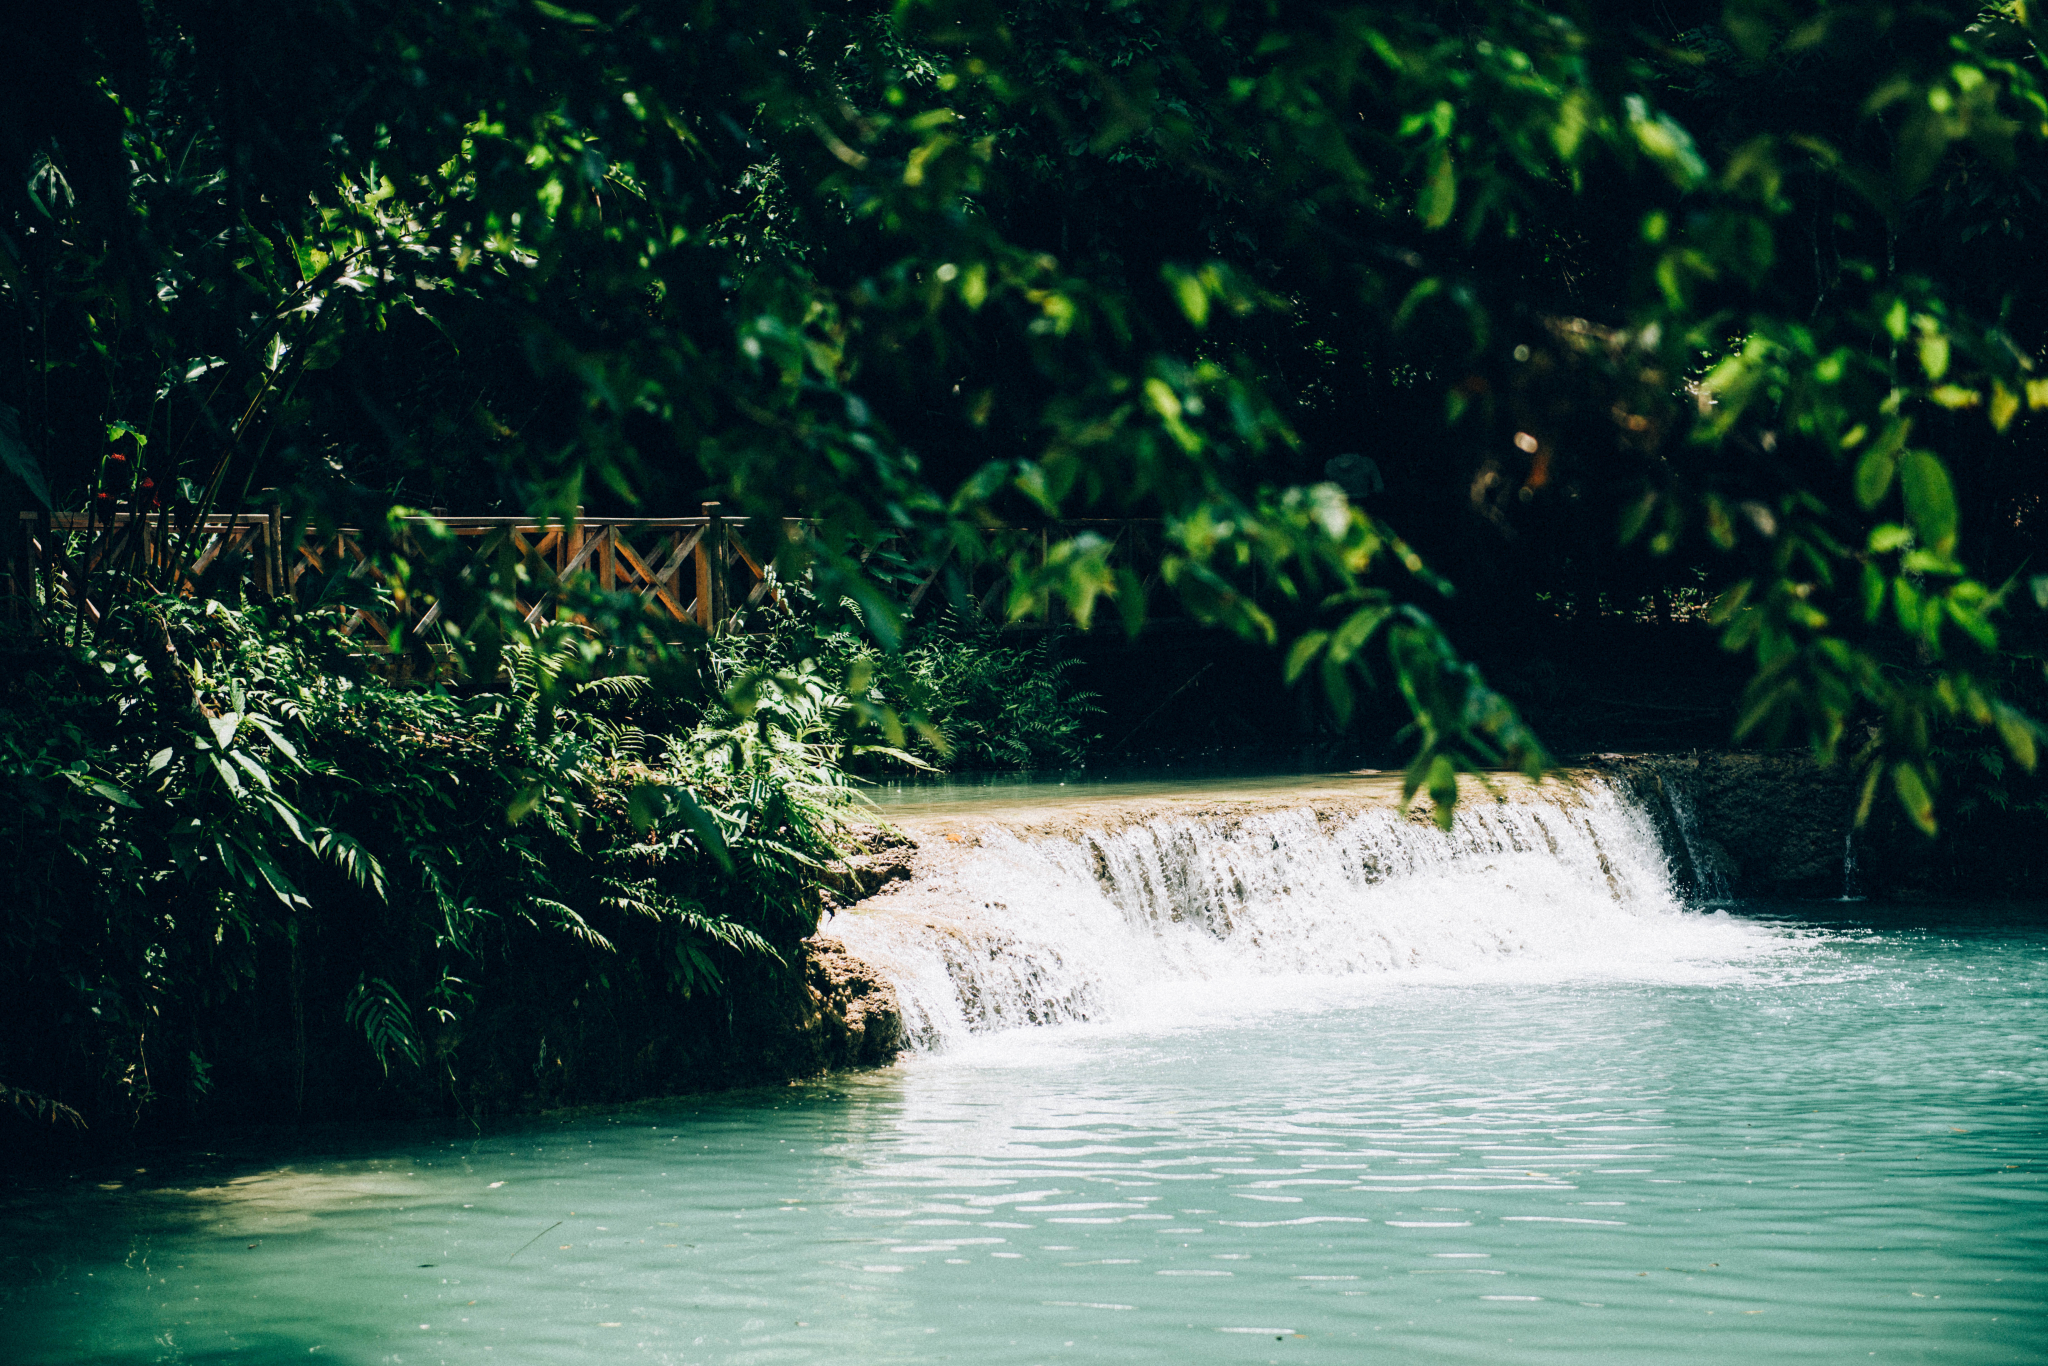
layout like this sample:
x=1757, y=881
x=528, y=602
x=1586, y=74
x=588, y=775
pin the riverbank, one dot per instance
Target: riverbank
x=555, y=1029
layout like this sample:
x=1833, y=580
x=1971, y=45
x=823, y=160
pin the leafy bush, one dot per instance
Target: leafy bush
x=238, y=857
x=969, y=697
x=1004, y=706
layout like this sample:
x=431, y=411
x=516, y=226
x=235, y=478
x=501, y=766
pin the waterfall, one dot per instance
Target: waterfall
x=1710, y=882
x=1010, y=932
x=1852, y=886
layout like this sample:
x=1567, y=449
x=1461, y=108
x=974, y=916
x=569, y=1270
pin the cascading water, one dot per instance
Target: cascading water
x=1710, y=883
x=1566, y=880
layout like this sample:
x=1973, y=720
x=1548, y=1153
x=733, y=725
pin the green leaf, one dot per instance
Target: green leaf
x=283, y=811
x=1439, y=195
x=102, y=788
x=1874, y=476
x=650, y=803
x=376, y=1008
x=1874, y=471
x=227, y=774
x=269, y=728
x=274, y=878
x=1443, y=790
x=1913, y=795
x=1130, y=601
x=249, y=765
x=1934, y=354
x=1337, y=687
x=1930, y=500
x=1189, y=292
x=1868, y=793
x=1349, y=638
x=525, y=802
x=2019, y=732
x=579, y=18
x=646, y=805
x=1304, y=651
x=1906, y=601
x=2005, y=405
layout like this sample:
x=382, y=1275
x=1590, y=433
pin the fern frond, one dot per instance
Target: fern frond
x=566, y=919
x=618, y=687
x=376, y=1008
x=356, y=863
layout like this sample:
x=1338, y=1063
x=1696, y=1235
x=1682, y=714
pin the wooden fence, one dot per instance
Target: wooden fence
x=688, y=569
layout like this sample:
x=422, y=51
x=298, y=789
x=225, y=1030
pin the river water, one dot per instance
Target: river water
x=1340, y=1092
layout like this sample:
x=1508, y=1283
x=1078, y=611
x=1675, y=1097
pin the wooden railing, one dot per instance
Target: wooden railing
x=688, y=569
x=74, y=555
x=696, y=569
x=683, y=567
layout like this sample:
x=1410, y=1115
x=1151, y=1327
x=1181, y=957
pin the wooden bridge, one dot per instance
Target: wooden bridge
x=699, y=570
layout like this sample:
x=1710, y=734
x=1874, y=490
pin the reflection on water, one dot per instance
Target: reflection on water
x=1833, y=1155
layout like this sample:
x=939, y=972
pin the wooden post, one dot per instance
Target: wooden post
x=281, y=584
x=607, y=568
x=721, y=575
x=707, y=576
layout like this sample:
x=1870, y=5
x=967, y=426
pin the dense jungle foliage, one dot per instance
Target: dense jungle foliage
x=1438, y=322
x=237, y=854
x=230, y=846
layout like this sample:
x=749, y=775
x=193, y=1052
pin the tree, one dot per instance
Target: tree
x=1163, y=258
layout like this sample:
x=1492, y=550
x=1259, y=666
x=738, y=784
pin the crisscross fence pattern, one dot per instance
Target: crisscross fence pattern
x=700, y=569
x=689, y=569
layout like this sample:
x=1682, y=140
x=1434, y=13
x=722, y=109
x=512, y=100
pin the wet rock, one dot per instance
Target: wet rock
x=1757, y=825
x=858, y=1016
x=837, y=1012
x=880, y=855
x=1717, y=867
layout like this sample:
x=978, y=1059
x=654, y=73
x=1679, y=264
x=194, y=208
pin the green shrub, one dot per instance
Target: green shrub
x=1004, y=706
x=247, y=876
x=971, y=696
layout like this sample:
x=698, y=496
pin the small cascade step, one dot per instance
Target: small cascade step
x=1014, y=931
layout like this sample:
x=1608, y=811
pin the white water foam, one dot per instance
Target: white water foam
x=1565, y=882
